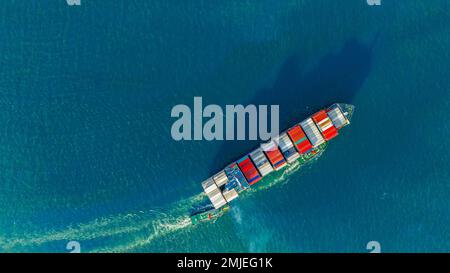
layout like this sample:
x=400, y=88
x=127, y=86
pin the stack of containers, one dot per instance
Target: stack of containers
x=236, y=178
x=287, y=148
x=230, y=195
x=325, y=125
x=273, y=155
x=312, y=132
x=249, y=170
x=261, y=162
x=220, y=179
x=213, y=192
x=337, y=117
x=299, y=139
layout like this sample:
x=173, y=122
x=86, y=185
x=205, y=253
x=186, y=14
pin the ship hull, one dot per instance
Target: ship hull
x=301, y=143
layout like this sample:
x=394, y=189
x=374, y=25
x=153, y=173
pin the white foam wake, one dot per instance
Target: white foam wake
x=155, y=222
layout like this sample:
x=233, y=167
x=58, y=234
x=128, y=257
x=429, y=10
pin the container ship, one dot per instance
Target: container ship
x=302, y=142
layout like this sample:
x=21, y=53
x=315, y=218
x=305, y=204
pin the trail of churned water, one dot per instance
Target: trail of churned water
x=157, y=222
x=157, y=229
x=137, y=229
x=178, y=220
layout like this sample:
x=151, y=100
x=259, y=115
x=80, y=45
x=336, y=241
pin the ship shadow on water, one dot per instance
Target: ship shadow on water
x=337, y=78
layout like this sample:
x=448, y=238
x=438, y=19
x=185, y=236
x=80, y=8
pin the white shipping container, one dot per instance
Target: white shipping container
x=261, y=162
x=311, y=131
x=220, y=178
x=209, y=185
x=337, y=117
x=230, y=195
x=287, y=148
x=284, y=142
x=213, y=192
x=217, y=199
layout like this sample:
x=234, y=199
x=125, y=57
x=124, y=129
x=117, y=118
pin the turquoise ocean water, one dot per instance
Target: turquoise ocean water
x=85, y=146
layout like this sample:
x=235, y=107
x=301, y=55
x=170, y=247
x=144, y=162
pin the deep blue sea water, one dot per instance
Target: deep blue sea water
x=85, y=146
